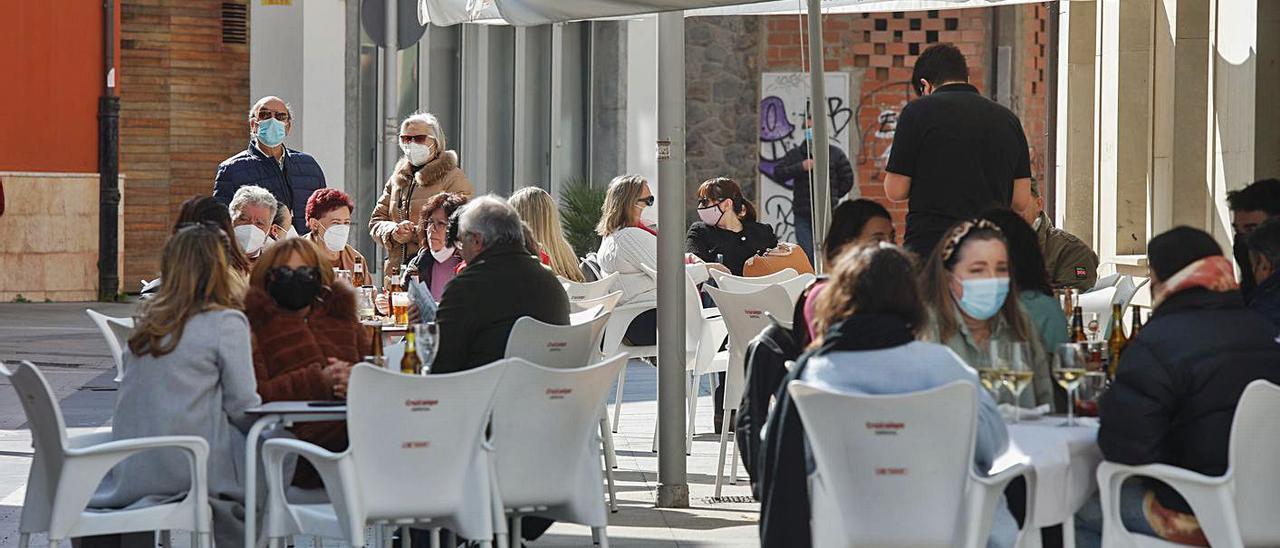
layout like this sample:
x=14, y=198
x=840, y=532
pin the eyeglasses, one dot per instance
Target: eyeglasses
x=437, y=226
x=647, y=201
x=265, y=114
x=420, y=139
x=960, y=232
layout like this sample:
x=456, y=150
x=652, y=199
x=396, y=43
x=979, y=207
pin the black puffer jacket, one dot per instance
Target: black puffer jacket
x=1179, y=381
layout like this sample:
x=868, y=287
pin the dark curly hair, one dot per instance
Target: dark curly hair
x=450, y=201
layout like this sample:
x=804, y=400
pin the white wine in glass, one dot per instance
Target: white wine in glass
x=1070, y=367
x=1069, y=379
x=991, y=380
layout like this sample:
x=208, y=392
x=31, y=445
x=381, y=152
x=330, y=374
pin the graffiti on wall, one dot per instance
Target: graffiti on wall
x=876, y=136
x=784, y=106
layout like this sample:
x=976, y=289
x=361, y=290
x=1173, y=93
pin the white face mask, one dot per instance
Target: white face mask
x=292, y=233
x=444, y=254
x=335, y=237
x=417, y=154
x=250, y=238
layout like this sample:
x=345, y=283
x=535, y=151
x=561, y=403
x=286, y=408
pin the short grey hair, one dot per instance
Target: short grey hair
x=251, y=195
x=493, y=219
x=437, y=134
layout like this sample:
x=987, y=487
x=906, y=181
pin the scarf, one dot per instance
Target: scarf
x=866, y=332
x=1214, y=273
x=640, y=225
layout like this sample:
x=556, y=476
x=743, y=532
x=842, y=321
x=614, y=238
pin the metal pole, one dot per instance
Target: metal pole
x=673, y=487
x=820, y=182
x=1050, y=187
x=390, y=91
x=108, y=164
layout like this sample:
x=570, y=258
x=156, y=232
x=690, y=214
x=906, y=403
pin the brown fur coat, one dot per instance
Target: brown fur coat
x=403, y=197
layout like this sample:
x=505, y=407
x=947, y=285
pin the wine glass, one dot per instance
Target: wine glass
x=1070, y=365
x=1019, y=374
x=989, y=376
x=427, y=343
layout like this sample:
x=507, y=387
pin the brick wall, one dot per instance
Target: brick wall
x=184, y=103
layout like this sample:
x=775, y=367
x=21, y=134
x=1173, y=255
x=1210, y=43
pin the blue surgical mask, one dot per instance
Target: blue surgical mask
x=271, y=132
x=983, y=297
x=808, y=134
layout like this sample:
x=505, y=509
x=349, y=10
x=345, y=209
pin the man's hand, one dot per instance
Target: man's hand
x=338, y=374
x=807, y=165
x=403, y=232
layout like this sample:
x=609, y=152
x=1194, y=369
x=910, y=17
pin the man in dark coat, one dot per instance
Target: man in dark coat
x=291, y=176
x=1264, y=255
x=1250, y=207
x=501, y=283
x=1179, y=381
x=797, y=166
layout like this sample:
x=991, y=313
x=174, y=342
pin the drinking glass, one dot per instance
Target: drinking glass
x=1070, y=366
x=427, y=341
x=990, y=377
x=1019, y=374
x=364, y=303
x=400, y=307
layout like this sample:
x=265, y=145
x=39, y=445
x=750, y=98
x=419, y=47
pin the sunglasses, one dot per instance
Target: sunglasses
x=306, y=274
x=646, y=201
x=265, y=114
x=708, y=202
x=420, y=139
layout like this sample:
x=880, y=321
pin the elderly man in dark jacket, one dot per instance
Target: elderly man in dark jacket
x=291, y=176
x=500, y=284
x=1179, y=381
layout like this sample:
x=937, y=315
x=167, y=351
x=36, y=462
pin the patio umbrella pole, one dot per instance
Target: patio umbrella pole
x=673, y=487
x=820, y=181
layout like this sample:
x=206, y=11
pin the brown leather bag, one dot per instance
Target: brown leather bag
x=763, y=265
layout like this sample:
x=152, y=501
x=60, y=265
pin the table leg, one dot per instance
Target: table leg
x=251, y=477
x=1069, y=532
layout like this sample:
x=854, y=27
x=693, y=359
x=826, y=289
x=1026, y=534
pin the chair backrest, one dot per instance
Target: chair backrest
x=779, y=276
x=589, y=290
x=744, y=317
x=544, y=428
x=116, y=331
x=1255, y=431
x=877, y=455
x=418, y=435
x=49, y=436
x=556, y=346
x=584, y=316
x=607, y=303
x=1098, y=302
x=692, y=310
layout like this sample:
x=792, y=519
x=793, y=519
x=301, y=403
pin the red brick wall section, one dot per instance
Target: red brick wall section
x=183, y=111
x=879, y=50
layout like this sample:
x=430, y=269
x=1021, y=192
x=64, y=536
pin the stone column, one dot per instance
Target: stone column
x=1077, y=47
x=1124, y=126
x=1233, y=43
x=1179, y=195
x=1267, y=151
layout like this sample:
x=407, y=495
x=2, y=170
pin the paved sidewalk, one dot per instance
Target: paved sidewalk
x=62, y=340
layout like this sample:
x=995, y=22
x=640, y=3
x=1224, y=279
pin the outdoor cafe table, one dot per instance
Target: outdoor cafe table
x=1065, y=460
x=286, y=413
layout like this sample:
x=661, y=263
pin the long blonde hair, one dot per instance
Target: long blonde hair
x=538, y=209
x=615, y=213
x=197, y=277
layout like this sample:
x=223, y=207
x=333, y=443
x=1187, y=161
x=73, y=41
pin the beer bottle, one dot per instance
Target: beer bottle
x=1137, y=322
x=1068, y=302
x=374, y=331
x=410, y=364
x=1077, y=325
x=1117, y=342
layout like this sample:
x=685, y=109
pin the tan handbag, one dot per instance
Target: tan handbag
x=764, y=265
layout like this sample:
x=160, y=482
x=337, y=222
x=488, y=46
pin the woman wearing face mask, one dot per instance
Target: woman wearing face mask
x=282, y=225
x=1028, y=272
x=329, y=220
x=966, y=283
x=426, y=169
x=305, y=336
x=727, y=231
x=437, y=263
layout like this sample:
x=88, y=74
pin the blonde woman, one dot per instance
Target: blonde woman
x=188, y=371
x=537, y=208
x=426, y=169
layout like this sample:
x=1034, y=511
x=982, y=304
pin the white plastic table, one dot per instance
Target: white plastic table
x=286, y=413
x=1065, y=459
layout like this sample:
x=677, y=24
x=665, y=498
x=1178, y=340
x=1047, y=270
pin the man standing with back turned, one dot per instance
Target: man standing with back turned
x=955, y=153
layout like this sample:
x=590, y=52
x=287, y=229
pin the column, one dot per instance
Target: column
x=1179, y=194
x=1077, y=47
x=1233, y=43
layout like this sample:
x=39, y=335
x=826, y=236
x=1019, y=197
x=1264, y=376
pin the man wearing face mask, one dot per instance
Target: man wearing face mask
x=1264, y=255
x=291, y=176
x=955, y=153
x=1068, y=260
x=796, y=167
x=329, y=218
x=426, y=169
x=1250, y=207
x=252, y=209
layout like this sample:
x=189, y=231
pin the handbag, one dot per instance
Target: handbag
x=763, y=265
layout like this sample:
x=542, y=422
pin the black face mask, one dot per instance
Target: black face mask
x=294, y=289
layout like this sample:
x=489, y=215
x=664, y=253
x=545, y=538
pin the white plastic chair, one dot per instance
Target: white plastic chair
x=581, y=291
x=547, y=455
x=584, y=316
x=65, y=473
x=779, y=276
x=417, y=456
x=794, y=285
x=1235, y=509
x=744, y=316
x=116, y=331
x=612, y=344
x=607, y=303
x=897, y=470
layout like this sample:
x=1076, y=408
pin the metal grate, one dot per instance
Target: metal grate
x=235, y=23
x=728, y=500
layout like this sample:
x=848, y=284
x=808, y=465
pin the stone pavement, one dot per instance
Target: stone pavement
x=62, y=340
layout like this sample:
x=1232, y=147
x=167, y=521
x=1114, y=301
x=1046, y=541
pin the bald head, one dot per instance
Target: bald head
x=270, y=107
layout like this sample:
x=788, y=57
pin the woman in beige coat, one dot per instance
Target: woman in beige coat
x=426, y=169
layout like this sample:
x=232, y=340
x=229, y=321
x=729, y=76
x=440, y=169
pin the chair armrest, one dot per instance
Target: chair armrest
x=709, y=313
x=1210, y=497
x=985, y=493
x=85, y=467
x=337, y=472
x=93, y=438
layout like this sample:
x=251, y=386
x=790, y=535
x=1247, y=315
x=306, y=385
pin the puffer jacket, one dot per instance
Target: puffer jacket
x=292, y=186
x=403, y=197
x=1178, y=383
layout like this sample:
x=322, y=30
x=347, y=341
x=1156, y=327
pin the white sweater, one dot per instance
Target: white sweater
x=624, y=252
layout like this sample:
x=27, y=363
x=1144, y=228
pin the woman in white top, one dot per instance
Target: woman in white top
x=628, y=244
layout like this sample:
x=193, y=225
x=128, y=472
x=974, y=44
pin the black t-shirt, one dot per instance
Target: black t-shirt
x=962, y=152
x=709, y=241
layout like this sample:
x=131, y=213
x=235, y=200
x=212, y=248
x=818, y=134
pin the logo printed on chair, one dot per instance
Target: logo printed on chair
x=886, y=428
x=418, y=444
x=754, y=314
x=420, y=405
x=557, y=346
x=558, y=393
x=891, y=471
